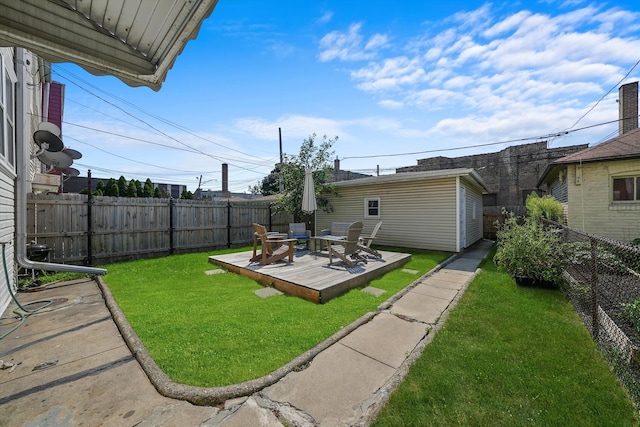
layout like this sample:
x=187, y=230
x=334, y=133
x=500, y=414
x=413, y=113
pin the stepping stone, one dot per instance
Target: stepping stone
x=407, y=270
x=267, y=292
x=217, y=271
x=376, y=292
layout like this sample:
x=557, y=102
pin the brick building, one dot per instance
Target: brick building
x=510, y=174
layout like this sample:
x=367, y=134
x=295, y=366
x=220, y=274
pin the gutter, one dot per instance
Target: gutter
x=22, y=172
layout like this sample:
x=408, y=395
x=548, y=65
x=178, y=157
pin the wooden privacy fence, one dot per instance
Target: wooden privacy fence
x=98, y=230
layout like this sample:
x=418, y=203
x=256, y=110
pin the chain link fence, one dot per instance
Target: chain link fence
x=602, y=280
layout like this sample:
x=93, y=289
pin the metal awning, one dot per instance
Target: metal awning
x=134, y=40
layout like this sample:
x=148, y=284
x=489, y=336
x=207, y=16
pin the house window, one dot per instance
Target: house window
x=372, y=208
x=626, y=189
x=7, y=113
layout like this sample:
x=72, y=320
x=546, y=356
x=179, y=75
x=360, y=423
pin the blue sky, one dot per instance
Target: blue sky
x=395, y=81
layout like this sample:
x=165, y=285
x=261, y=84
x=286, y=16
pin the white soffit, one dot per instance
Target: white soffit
x=134, y=40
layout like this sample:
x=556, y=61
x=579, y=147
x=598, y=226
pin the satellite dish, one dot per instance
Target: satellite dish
x=56, y=159
x=52, y=141
x=50, y=127
x=69, y=172
x=75, y=155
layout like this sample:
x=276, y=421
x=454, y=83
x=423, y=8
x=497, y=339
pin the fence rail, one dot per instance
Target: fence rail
x=602, y=280
x=97, y=230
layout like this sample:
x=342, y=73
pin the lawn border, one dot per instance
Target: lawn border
x=211, y=396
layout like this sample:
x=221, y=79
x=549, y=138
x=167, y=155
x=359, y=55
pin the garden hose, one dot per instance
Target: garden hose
x=16, y=311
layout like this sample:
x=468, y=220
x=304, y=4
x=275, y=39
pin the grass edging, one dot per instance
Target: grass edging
x=210, y=396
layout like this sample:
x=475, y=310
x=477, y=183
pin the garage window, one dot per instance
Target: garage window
x=372, y=207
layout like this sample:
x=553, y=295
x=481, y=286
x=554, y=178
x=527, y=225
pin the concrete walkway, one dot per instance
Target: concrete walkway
x=72, y=364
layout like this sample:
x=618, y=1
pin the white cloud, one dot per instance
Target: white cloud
x=294, y=127
x=350, y=46
x=391, y=104
x=390, y=74
x=326, y=17
x=497, y=65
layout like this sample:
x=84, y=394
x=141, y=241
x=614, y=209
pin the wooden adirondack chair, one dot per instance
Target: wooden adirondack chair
x=269, y=253
x=347, y=250
x=365, y=241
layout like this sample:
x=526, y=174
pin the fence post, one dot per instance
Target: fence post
x=228, y=224
x=89, y=220
x=172, y=249
x=270, y=218
x=594, y=289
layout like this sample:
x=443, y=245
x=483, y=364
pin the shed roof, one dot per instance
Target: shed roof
x=135, y=40
x=467, y=173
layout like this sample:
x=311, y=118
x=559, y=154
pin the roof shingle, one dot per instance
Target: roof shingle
x=625, y=146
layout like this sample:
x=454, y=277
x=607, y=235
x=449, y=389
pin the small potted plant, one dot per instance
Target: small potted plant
x=528, y=251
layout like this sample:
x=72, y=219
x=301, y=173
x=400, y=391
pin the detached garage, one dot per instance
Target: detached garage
x=434, y=210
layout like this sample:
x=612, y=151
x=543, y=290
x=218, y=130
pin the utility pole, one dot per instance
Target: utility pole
x=281, y=160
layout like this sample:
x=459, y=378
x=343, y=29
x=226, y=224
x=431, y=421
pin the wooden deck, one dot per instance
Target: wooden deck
x=310, y=276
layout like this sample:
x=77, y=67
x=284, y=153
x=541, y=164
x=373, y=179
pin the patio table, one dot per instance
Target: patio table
x=316, y=244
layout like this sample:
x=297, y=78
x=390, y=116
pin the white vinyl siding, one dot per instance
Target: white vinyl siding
x=474, y=222
x=7, y=170
x=417, y=214
x=7, y=233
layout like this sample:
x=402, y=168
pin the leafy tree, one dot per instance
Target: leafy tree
x=131, y=190
x=139, y=189
x=157, y=194
x=122, y=186
x=112, y=189
x=316, y=156
x=186, y=194
x=147, y=190
x=270, y=184
x=100, y=187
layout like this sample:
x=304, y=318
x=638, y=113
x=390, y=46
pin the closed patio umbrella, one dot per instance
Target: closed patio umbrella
x=309, y=196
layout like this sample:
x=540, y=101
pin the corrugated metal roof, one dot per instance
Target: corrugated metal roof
x=134, y=40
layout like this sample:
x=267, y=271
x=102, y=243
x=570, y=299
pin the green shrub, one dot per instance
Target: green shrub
x=631, y=312
x=635, y=242
x=545, y=207
x=526, y=248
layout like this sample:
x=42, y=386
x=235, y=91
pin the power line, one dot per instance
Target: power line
x=604, y=96
x=532, y=138
x=160, y=131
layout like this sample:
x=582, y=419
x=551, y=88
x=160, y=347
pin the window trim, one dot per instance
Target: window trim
x=366, y=207
x=7, y=164
x=636, y=188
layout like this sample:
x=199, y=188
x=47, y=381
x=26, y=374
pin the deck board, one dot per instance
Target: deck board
x=310, y=276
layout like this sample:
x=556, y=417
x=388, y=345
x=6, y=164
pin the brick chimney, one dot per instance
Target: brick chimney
x=225, y=180
x=628, y=107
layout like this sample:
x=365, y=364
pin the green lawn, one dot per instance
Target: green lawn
x=211, y=330
x=510, y=356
